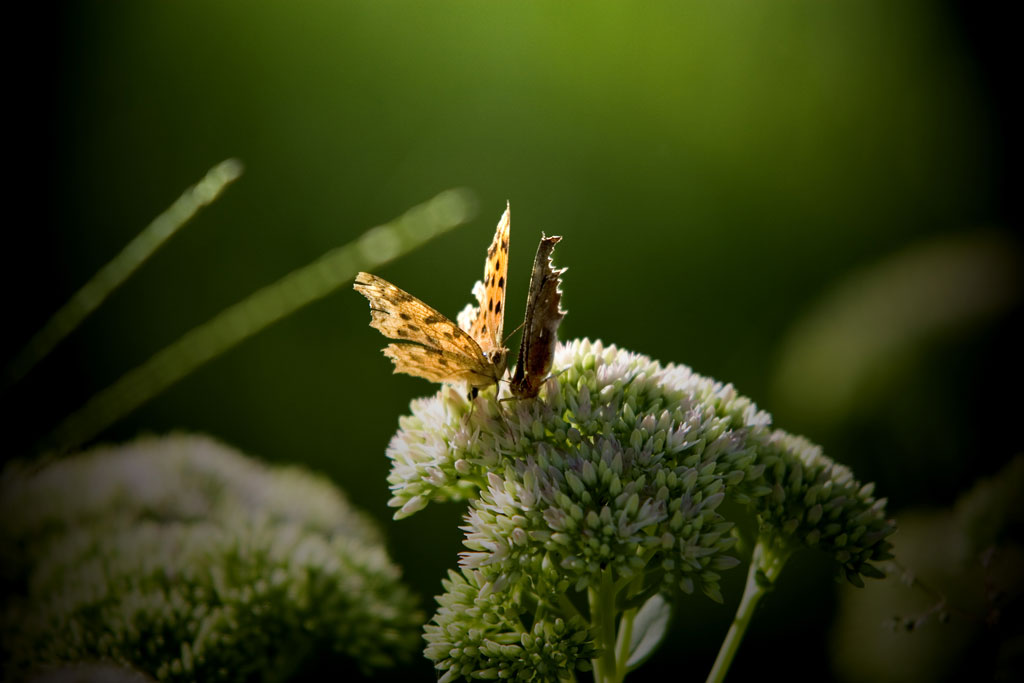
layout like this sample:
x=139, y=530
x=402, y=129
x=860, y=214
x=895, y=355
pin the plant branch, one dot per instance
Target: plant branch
x=602, y=620
x=765, y=566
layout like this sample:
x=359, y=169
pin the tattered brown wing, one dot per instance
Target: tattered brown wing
x=489, y=323
x=540, y=329
x=401, y=316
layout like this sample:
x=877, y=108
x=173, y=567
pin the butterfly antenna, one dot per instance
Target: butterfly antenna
x=512, y=334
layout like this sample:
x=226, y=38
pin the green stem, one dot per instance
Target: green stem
x=765, y=566
x=602, y=621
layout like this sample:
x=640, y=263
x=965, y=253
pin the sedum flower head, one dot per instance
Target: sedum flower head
x=611, y=480
x=816, y=502
x=622, y=464
x=183, y=559
x=479, y=632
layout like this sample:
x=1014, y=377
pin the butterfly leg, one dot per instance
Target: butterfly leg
x=554, y=375
x=501, y=416
x=471, y=395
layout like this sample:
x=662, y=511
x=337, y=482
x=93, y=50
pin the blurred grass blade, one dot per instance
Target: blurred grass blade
x=845, y=350
x=114, y=273
x=260, y=309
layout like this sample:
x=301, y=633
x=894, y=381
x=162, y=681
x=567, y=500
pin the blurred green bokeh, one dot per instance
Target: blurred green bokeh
x=712, y=167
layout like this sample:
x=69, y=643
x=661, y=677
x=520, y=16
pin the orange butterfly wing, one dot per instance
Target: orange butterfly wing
x=489, y=323
x=432, y=346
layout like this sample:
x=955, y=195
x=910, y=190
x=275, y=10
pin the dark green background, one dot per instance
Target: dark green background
x=712, y=167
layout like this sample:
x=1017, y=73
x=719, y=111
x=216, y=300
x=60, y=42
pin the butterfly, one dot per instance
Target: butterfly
x=540, y=328
x=429, y=344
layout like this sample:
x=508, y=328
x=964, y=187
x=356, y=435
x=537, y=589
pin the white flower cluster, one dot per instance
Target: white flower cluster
x=616, y=472
x=183, y=559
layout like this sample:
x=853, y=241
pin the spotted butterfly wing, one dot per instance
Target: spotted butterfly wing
x=540, y=328
x=432, y=346
x=429, y=344
x=487, y=323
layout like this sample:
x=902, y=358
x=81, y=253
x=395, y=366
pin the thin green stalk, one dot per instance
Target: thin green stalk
x=257, y=311
x=117, y=270
x=602, y=620
x=765, y=566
